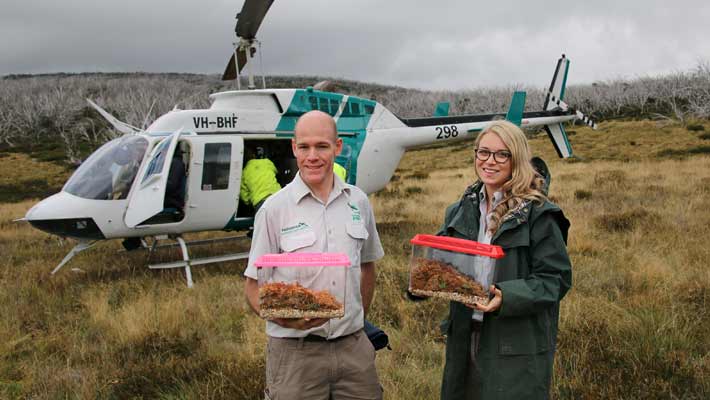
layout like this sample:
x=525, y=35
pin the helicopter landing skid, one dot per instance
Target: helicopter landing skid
x=187, y=263
x=83, y=245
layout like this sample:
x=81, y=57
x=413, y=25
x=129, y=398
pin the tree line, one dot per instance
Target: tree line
x=51, y=109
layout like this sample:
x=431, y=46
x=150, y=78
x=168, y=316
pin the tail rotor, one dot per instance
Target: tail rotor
x=553, y=101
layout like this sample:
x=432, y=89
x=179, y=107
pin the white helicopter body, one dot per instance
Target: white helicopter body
x=119, y=192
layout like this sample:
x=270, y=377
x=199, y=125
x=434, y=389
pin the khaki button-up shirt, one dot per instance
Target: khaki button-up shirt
x=294, y=220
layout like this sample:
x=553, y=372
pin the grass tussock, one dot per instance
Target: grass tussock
x=634, y=324
x=695, y=127
x=623, y=222
x=418, y=175
x=582, y=194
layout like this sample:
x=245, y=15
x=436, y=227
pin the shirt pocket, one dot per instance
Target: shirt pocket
x=357, y=231
x=297, y=240
x=357, y=235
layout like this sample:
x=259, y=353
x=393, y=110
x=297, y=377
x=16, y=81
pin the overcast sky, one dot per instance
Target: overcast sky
x=456, y=44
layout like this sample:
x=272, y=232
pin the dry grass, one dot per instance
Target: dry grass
x=22, y=177
x=633, y=326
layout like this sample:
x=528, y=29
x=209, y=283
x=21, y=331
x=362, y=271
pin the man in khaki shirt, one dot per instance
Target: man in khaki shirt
x=319, y=358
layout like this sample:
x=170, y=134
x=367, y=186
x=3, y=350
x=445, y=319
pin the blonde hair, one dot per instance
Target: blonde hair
x=524, y=184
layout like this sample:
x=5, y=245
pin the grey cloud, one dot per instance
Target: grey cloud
x=432, y=45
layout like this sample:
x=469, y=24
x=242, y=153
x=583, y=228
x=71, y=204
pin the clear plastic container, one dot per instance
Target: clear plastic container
x=451, y=268
x=302, y=285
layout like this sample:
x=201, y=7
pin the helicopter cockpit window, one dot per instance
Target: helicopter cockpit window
x=369, y=109
x=314, y=102
x=215, y=173
x=157, y=162
x=108, y=174
x=355, y=108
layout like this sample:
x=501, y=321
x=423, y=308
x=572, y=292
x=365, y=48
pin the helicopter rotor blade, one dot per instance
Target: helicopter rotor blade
x=249, y=19
x=230, y=72
x=118, y=125
x=324, y=86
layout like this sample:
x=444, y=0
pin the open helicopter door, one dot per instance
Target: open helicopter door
x=214, y=182
x=147, y=199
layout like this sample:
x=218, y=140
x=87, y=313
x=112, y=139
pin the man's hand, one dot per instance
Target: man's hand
x=299, y=323
x=495, y=302
x=251, y=292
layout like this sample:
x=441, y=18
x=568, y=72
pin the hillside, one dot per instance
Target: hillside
x=47, y=116
x=634, y=324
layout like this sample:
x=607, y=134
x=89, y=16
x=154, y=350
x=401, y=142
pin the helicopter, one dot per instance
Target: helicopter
x=119, y=191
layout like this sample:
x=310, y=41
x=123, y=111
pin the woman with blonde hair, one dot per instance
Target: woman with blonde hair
x=505, y=349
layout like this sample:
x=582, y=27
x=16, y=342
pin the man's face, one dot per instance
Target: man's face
x=315, y=147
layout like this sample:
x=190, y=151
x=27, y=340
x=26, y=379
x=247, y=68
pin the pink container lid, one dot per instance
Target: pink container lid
x=303, y=260
x=458, y=245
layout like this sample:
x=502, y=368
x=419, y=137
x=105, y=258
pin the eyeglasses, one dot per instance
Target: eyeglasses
x=500, y=156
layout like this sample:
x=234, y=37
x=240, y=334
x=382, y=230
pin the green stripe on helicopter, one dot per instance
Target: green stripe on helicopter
x=564, y=81
x=517, y=107
x=308, y=100
x=564, y=135
x=352, y=121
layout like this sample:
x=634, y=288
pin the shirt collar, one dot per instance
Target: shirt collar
x=496, y=195
x=301, y=190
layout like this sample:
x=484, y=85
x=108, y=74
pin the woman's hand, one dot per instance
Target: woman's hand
x=495, y=302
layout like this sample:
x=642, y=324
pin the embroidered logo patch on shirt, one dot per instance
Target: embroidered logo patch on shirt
x=355, y=213
x=294, y=228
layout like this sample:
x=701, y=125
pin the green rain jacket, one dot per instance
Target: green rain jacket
x=258, y=181
x=518, y=341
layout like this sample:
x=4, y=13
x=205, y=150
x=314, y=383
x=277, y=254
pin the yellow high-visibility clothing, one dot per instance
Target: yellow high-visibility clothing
x=340, y=171
x=258, y=181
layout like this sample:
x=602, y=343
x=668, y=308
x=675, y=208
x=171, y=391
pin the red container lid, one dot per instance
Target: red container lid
x=458, y=245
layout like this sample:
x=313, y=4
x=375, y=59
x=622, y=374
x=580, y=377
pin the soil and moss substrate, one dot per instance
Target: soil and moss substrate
x=438, y=279
x=286, y=300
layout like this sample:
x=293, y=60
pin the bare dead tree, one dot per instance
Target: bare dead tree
x=50, y=108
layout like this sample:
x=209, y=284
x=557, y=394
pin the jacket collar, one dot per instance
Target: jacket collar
x=518, y=215
x=466, y=218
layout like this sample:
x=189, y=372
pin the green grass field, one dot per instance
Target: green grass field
x=633, y=326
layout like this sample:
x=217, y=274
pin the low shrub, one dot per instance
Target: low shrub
x=622, y=222
x=418, y=175
x=680, y=153
x=609, y=178
x=699, y=150
x=582, y=194
x=695, y=127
